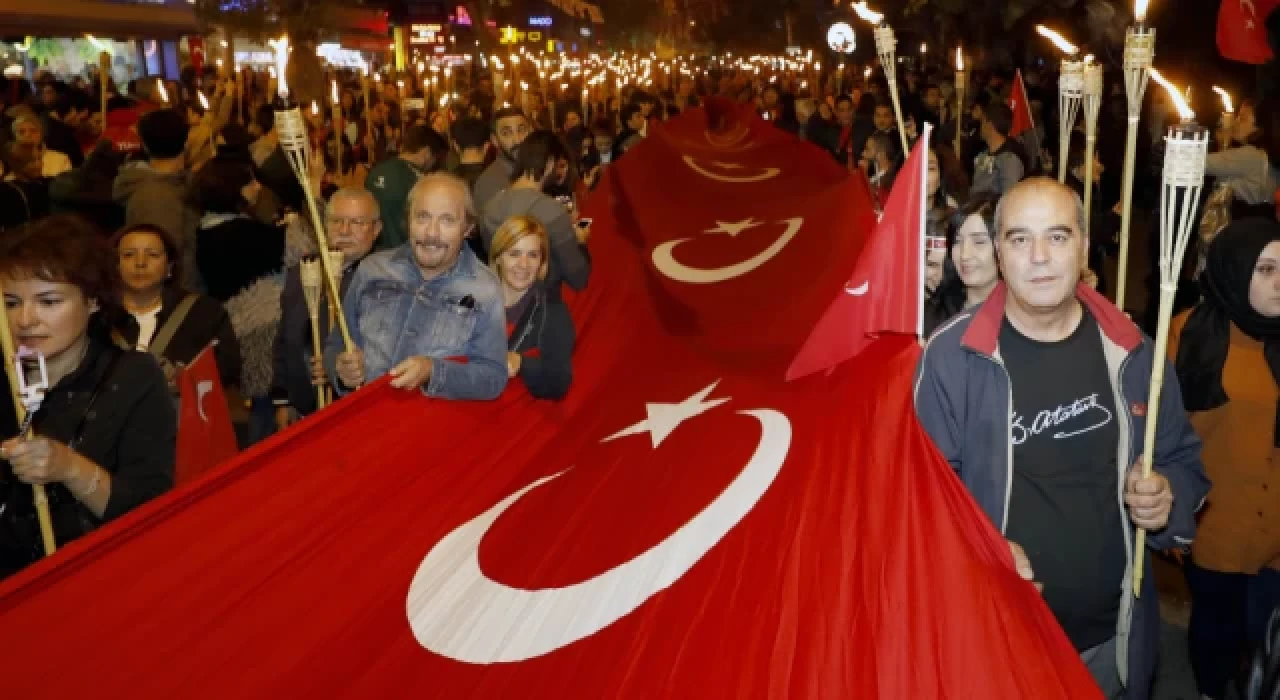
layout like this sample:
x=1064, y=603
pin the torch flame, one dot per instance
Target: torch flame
x=334, y=89
x=1066, y=46
x=866, y=13
x=204, y=102
x=164, y=94
x=1140, y=10
x=1179, y=102
x=959, y=59
x=281, y=47
x=1226, y=99
x=315, y=108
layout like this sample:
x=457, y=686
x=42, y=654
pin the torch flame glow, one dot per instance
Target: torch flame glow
x=315, y=108
x=959, y=59
x=1140, y=10
x=281, y=47
x=164, y=94
x=866, y=13
x=1226, y=99
x=204, y=102
x=334, y=89
x=1066, y=46
x=1179, y=102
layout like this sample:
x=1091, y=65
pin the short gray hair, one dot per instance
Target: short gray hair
x=447, y=180
x=1038, y=182
x=356, y=194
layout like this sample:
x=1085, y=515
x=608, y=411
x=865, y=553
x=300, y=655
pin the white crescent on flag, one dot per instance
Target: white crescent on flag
x=761, y=176
x=664, y=257
x=457, y=611
x=202, y=388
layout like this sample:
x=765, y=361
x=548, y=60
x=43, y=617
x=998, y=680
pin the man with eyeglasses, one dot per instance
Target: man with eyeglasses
x=353, y=221
x=428, y=313
x=510, y=129
x=391, y=180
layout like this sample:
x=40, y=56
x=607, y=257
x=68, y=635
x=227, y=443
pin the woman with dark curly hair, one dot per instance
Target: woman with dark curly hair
x=103, y=439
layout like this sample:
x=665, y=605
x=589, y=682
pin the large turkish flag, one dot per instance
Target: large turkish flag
x=685, y=524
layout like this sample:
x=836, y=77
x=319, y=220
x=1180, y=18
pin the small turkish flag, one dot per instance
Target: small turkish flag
x=205, y=436
x=1021, y=107
x=886, y=292
x=1242, y=30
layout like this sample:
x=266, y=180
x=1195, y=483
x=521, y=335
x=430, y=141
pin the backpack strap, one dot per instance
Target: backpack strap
x=160, y=342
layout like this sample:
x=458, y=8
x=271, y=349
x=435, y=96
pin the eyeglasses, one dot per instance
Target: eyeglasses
x=336, y=222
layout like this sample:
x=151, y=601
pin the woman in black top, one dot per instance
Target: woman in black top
x=233, y=249
x=540, y=335
x=103, y=439
x=150, y=268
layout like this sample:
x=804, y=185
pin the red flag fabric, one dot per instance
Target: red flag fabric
x=205, y=436
x=683, y=525
x=1021, y=106
x=886, y=292
x=1242, y=30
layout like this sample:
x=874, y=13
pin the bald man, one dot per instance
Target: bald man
x=1038, y=399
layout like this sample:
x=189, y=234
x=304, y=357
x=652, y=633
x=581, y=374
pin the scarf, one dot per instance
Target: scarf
x=1206, y=337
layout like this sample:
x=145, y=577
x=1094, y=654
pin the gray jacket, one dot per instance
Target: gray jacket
x=569, y=261
x=997, y=172
x=964, y=401
x=160, y=200
x=494, y=179
x=1247, y=170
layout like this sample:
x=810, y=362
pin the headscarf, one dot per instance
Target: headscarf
x=1206, y=337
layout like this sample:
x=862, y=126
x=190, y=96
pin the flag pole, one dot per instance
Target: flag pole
x=924, y=250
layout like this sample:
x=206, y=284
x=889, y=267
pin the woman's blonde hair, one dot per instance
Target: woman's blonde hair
x=511, y=232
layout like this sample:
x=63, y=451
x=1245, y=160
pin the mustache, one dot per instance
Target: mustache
x=430, y=241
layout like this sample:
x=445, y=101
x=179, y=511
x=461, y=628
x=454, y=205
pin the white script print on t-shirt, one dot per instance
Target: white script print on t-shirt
x=1075, y=418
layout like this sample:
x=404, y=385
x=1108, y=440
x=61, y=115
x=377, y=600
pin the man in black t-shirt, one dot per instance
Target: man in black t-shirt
x=1038, y=400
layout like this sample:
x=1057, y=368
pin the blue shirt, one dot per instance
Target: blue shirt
x=394, y=314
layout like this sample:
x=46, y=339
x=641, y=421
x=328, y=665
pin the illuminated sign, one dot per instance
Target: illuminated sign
x=426, y=34
x=463, y=18
x=540, y=21
x=511, y=35
x=585, y=31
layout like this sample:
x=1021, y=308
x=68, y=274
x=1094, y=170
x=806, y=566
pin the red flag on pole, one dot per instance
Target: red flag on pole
x=1242, y=30
x=1021, y=107
x=886, y=292
x=205, y=436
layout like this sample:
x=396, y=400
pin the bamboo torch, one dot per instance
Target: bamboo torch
x=311, y=275
x=292, y=129
x=962, y=84
x=104, y=76
x=1186, y=148
x=368, y=106
x=1139, y=51
x=886, y=49
x=1228, y=116
x=1092, y=103
x=1070, y=93
x=336, y=116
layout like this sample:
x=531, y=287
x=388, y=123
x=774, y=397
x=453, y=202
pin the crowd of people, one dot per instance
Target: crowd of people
x=164, y=229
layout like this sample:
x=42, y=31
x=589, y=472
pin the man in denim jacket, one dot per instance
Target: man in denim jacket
x=427, y=312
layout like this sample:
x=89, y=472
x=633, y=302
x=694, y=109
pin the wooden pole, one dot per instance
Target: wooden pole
x=39, y=497
x=104, y=74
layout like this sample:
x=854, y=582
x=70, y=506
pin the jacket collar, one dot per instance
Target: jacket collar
x=984, y=331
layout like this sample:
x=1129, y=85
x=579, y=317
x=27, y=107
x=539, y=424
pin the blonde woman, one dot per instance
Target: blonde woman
x=540, y=334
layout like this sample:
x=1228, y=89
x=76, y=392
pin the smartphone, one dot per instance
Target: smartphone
x=584, y=223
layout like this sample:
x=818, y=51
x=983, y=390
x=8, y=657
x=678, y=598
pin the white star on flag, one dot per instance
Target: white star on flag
x=734, y=228
x=664, y=418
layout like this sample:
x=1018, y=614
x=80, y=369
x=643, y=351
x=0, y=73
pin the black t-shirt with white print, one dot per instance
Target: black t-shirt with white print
x=1063, y=505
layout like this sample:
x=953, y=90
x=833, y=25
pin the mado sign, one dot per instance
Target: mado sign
x=540, y=21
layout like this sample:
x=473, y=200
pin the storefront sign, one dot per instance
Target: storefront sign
x=540, y=21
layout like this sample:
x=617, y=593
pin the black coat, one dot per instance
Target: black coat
x=86, y=190
x=206, y=322
x=22, y=201
x=130, y=431
x=544, y=336
x=62, y=138
x=291, y=374
x=234, y=254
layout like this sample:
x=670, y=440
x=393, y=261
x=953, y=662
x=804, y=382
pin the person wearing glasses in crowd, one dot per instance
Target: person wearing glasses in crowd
x=353, y=221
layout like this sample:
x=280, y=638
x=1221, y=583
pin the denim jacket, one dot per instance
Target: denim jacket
x=457, y=319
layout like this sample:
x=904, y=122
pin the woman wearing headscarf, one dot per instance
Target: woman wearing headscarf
x=1227, y=356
